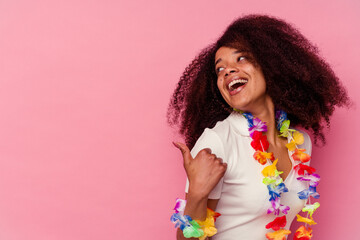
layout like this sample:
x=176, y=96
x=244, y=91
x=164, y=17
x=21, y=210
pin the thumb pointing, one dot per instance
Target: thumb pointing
x=184, y=150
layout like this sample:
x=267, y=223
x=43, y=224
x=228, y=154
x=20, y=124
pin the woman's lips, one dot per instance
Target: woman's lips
x=237, y=90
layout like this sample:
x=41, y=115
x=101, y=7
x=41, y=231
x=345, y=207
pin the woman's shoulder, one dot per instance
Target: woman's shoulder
x=213, y=138
x=235, y=122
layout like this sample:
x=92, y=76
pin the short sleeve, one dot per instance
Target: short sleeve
x=209, y=139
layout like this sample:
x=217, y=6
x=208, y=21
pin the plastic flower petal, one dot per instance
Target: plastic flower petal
x=270, y=171
x=298, y=139
x=310, y=208
x=180, y=205
x=291, y=146
x=193, y=230
x=273, y=180
x=208, y=227
x=303, y=234
x=309, y=221
x=258, y=125
x=189, y=227
x=276, y=207
x=278, y=235
x=313, y=179
x=284, y=129
x=249, y=117
x=305, y=194
x=300, y=155
x=259, y=141
x=281, y=116
x=275, y=191
x=262, y=157
x=212, y=213
x=278, y=223
x=301, y=168
x=180, y=220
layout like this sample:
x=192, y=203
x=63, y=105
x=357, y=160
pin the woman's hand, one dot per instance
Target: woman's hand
x=204, y=171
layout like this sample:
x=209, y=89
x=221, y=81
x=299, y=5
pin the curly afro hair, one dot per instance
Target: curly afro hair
x=298, y=80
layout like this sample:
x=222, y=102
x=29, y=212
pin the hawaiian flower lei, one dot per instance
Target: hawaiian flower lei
x=274, y=182
x=194, y=228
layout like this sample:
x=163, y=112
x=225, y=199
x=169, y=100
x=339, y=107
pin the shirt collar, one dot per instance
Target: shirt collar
x=239, y=123
x=241, y=126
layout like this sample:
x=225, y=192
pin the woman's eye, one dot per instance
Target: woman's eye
x=220, y=69
x=241, y=57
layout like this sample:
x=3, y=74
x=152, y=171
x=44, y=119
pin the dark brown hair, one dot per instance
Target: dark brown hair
x=298, y=80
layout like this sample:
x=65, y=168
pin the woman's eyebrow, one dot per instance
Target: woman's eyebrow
x=235, y=52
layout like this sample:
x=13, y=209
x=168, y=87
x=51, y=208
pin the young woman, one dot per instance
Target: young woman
x=233, y=105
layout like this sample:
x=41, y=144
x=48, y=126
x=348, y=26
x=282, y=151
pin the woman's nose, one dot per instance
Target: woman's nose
x=229, y=70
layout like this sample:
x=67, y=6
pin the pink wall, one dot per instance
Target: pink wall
x=85, y=151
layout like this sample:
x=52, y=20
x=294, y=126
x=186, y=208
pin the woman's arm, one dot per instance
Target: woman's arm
x=204, y=172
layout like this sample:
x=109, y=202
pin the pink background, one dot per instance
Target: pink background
x=85, y=151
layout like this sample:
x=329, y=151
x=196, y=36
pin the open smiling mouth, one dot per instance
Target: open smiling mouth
x=236, y=85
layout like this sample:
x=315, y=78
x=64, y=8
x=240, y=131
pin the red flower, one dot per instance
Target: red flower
x=301, y=168
x=278, y=223
x=259, y=141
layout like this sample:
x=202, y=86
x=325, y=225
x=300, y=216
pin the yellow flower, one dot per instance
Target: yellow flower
x=310, y=208
x=305, y=220
x=270, y=171
x=298, y=139
x=208, y=225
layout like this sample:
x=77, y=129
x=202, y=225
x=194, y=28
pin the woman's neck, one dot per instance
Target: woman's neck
x=266, y=113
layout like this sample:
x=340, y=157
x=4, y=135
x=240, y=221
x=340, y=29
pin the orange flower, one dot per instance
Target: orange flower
x=262, y=156
x=303, y=234
x=300, y=155
x=278, y=235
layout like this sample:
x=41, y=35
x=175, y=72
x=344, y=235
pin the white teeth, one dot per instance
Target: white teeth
x=237, y=81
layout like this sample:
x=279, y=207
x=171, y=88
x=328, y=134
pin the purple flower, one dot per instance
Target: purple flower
x=313, y=179
x=258, y=125
x=180, y=205
x=276, y=207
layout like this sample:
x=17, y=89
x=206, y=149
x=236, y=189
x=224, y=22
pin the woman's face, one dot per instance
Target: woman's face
x=241, y=84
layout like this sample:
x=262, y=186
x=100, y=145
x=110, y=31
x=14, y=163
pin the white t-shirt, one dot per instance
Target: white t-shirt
x=243, y=198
